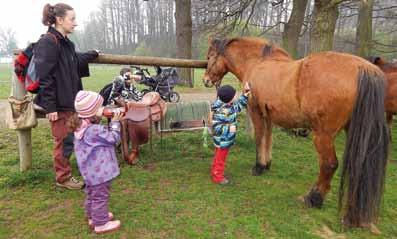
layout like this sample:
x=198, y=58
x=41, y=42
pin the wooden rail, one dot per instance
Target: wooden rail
x=149, y=61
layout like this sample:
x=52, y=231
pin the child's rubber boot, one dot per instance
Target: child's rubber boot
x=110, y=226
x=91, y=224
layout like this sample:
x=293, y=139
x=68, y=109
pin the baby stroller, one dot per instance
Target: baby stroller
x=164, y=82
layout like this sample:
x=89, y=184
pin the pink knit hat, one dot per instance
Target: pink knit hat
x=88, y=104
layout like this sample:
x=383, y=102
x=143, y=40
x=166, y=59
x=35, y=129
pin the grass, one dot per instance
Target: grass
x=169, y=193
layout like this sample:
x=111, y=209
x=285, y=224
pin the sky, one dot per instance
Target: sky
x=24, y=16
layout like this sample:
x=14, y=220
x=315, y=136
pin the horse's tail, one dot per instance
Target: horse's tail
x=365, y=156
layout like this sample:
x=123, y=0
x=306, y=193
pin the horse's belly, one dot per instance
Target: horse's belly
x=288, y=120
x=278, y=94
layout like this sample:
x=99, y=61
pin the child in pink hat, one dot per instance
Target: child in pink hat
x=96, y=157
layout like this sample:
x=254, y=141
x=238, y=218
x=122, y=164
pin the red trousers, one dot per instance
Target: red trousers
x=218, y=164
x=63, y=146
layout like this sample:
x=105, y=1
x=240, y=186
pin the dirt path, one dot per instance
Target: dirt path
x=185, y=97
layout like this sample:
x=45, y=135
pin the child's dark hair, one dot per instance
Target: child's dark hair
x=124, y=70
x=51, y=12
x=226, y=93
x=74, y=122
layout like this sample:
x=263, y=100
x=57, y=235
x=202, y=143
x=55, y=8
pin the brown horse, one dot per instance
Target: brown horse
x=326, y=92
x=390, y=70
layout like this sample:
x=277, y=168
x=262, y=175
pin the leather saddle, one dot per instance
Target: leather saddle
x=151, y=108
x=138, y=121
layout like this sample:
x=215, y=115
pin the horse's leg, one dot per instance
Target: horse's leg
x=328, y=164
x=263, y=137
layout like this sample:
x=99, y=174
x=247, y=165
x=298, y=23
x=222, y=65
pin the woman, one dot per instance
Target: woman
x=59, y=69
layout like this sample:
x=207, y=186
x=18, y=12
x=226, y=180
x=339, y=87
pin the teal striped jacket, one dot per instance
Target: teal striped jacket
x=223, y=117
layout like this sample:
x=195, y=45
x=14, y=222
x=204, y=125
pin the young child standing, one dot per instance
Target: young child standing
x=96, y=158
x=224, y=127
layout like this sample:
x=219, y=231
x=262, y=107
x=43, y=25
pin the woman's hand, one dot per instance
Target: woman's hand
x=52, y=116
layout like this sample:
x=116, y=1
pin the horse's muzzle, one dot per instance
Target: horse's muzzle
x=207, y=83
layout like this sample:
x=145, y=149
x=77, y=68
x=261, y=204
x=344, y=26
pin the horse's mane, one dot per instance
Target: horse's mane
x=269, y=50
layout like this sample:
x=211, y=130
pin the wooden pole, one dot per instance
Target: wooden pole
x=149, y=61
x=24, y=136
x=145, y=61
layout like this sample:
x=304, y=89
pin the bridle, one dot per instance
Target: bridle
x=217, y=84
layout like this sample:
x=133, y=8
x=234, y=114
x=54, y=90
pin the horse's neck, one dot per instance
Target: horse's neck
x=241, y=63
x=389, y=67
x=238, y=68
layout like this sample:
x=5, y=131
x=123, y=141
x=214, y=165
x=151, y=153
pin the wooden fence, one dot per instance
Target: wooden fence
x=18, y=91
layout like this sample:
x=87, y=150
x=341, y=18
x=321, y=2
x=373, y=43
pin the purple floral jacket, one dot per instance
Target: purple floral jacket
x=95, y=153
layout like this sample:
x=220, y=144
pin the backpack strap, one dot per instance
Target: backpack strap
x=53, y=36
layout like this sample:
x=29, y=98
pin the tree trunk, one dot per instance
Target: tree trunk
x=293, y=27
x=113, y=28
x=322, y=35
x=364, y=28
x=183, y=20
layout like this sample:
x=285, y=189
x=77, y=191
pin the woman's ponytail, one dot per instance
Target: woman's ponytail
x=48, y=15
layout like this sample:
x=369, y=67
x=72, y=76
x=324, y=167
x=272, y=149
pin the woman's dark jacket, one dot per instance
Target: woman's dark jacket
x=59, y=69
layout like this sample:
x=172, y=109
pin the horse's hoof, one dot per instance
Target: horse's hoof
x=370, y=226
x=133, y=161
x=314, y=199
x=133, y=158
x=374, y=229
x=258, y=169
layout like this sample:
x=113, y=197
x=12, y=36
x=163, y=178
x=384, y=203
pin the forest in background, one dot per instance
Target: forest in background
x=181, y=28
x=149, y=27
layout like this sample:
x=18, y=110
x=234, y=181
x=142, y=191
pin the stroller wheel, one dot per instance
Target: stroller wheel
x=173, y=97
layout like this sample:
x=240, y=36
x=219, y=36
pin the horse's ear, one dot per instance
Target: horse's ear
x=218, y=44
x=210, y=40
x=375, y=60
x=216, y=41
x=378, y=60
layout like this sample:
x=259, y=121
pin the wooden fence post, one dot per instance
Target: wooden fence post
x=24, y=136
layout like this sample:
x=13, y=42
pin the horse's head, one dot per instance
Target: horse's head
x=376, y=60
x=217, y=64
x=386, y=67
x=237, y=54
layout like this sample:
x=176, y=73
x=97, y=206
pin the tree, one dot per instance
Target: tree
x=364, y=28
x=183, y=20
x=8, y=41
x=325, y=13
x=293, y=27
